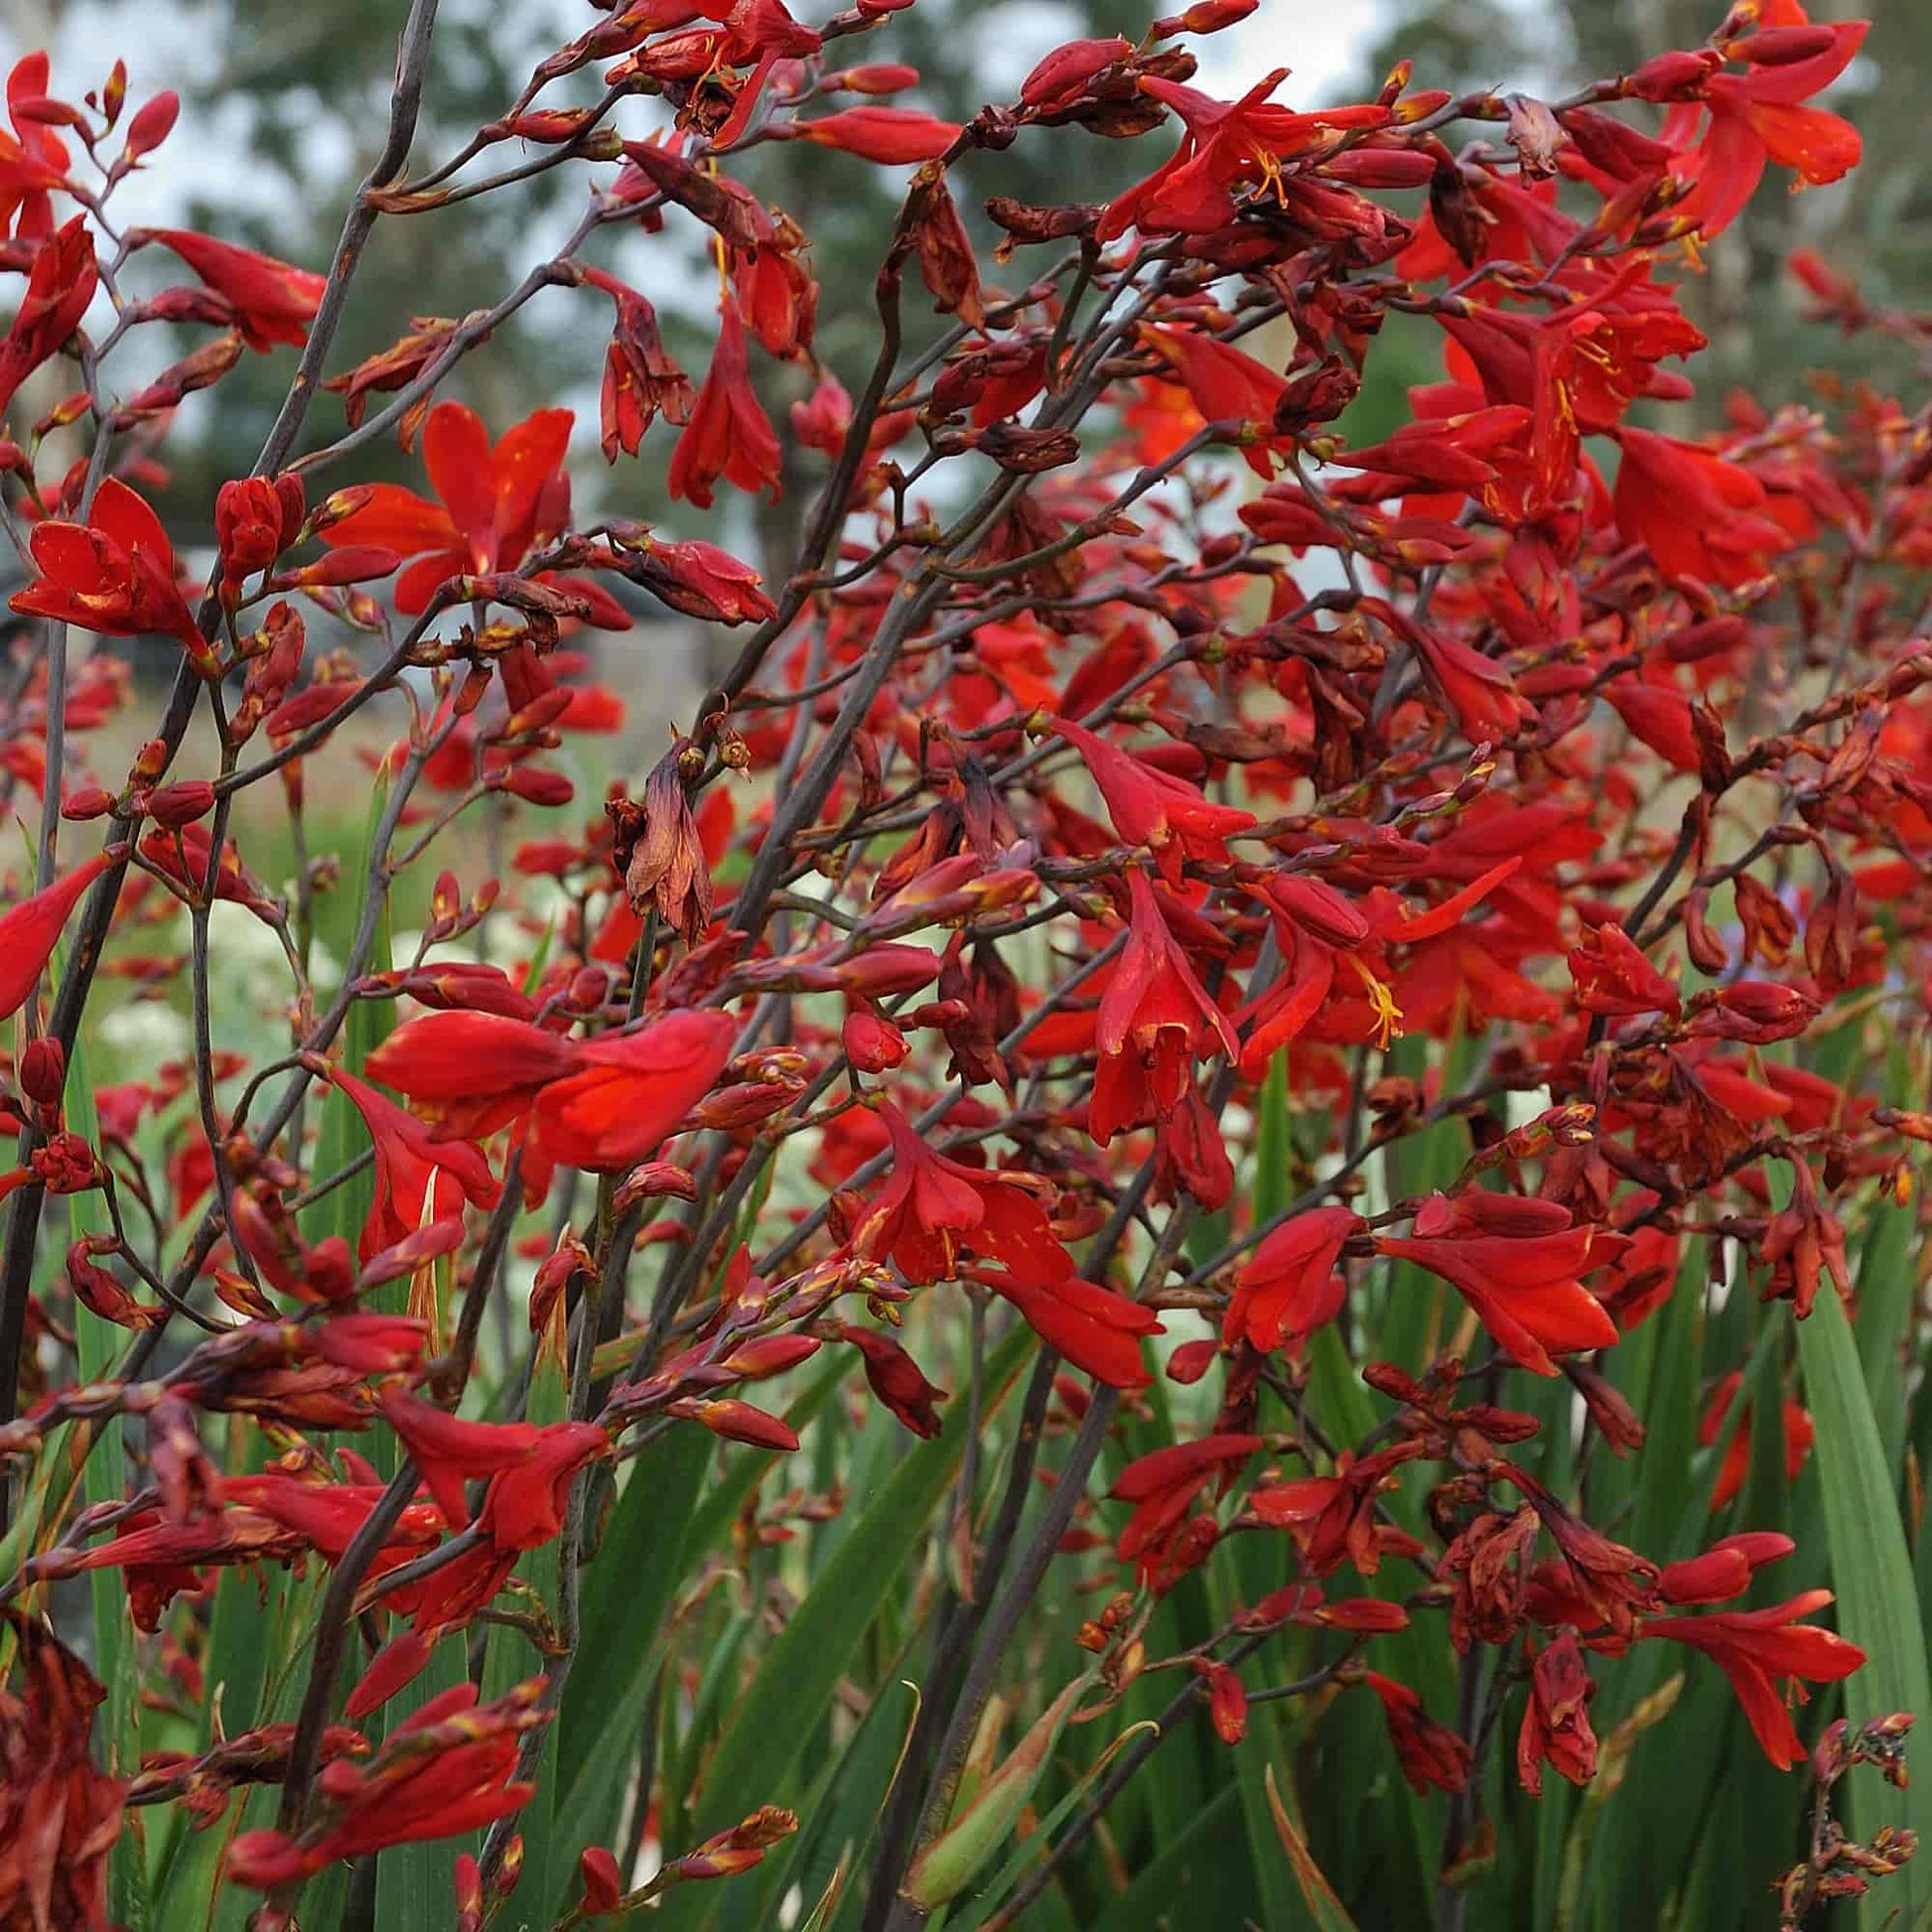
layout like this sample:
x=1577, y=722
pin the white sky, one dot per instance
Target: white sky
x=1320, y=43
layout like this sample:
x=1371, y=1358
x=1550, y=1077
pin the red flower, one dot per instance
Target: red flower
x=472, y=1073
x=1163, y=1486
x=1656, y=715
x=729, y=433
x=1093, y=1328
x=1332, y=1518
x=1755, y=1648
x=894, y=136
x=528, y=1466
x=113, y=574
x=1431, y=1753
x=269, y=1518
x=640, y=381
x=1612, y=977
x=444, y=1771
x=700, y=579
x=1156, y=1022
x=530, y=1474
x=1556, y=1720
x=1227, y=1704
x=1515, y=1261
x=60, y=1816
x=1610, y=1582
x=417, y=1178
x=1488, y=707
x=824, y=419
x=60, y=286
x=1223, y=382
x=32, y=930
x=1804, y=1244
x=497, y=501
x=273, y=302
x=1702, y=518
x=448, y=1452
x=1575, y=370
x=1287, y=1288
x=1725, y=1569
x=33, y=159
x=632, y=1091
x=255, y=520
x=1759, y=116
x=933, y=1211
x=1151, y=808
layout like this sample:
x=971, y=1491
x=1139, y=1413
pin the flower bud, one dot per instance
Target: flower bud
x=823, y=419
x=1780, y=47
x=153, y=122
x=951, y=1862
x=43, y=1071
x=469, y=1894
x=88, y=801
x=766, y=1355
x=510, y=1869
x=872, y=1043
x=655, y=1181
x=1674, y=76
x=1227, y=1704
x=534, y=785
x=180, y=804
x=736, y=1421
x=880, y=78
x=149, y=762
x=603, y=1882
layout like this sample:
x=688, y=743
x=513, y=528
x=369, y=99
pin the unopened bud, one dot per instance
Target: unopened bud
x=180, y=804
x=89, y=801
x=149, y=762
x=44, y=1071
x=655, y=1181
x=534, y=785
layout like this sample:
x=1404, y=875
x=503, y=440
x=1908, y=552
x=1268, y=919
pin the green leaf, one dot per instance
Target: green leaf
x=1198, y=1857
x=1665, y=1484
x=627, y=1593
x=776, y=1717
x=1888, y=1287
x=1326, y=1911
x=983, y=1822
x=1877, y=1604
x=116, y=1662
x=1268, y=1189
x=659, y=1529
x=842, y=1808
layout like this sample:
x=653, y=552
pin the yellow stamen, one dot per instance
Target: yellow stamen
x=1388, y=1016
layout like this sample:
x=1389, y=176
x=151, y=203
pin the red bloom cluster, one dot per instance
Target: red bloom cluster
x=1259, y=955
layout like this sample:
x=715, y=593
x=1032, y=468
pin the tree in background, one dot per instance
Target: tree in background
x=301, y=90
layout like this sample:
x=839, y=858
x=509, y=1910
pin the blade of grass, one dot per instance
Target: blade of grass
x=1326, y=1911
x=100, y=1344
x=1878, y=1603
x=773, y=1719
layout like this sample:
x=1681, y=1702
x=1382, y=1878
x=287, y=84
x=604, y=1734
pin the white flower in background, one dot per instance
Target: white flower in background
x=325, y=969
x=241, y=949
x=145, y=1032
